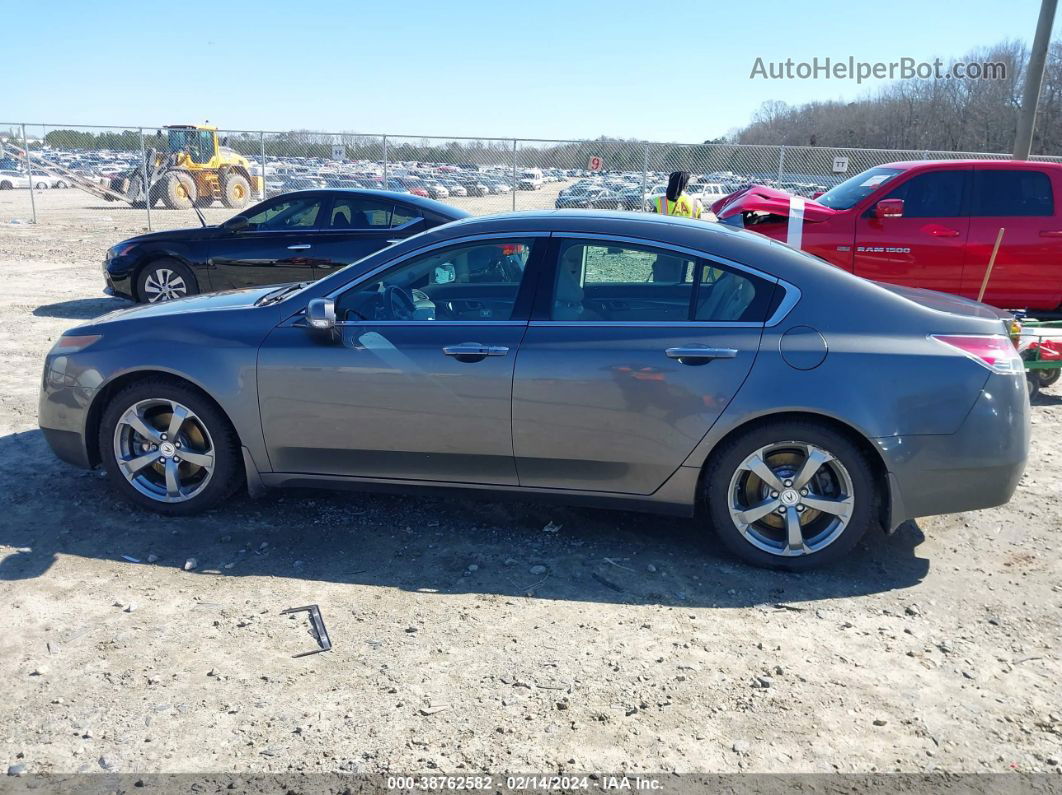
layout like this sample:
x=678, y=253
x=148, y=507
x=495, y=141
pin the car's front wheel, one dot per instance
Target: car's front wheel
x=165, y=280
x=790, y=495
x=167, y=447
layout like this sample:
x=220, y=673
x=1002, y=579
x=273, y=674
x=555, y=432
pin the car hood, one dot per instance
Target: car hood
x=760, y=198
x=191, y=233
x=195, y=304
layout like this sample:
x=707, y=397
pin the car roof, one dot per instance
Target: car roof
x=445, y=210
x=969, y=163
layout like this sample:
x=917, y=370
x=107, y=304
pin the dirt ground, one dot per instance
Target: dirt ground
x=640, y=645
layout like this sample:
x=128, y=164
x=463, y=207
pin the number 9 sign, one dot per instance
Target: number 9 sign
x=595, y=163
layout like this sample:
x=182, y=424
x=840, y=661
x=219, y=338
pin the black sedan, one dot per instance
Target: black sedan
x=295, y=237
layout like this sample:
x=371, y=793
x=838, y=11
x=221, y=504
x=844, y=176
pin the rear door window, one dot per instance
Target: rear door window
x=602, y=282
x=1012, y=192
x=359, y=213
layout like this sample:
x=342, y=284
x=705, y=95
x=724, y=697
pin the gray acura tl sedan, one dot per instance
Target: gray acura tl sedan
x=619, y=360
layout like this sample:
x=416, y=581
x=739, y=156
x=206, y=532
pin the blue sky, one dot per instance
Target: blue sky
x=547, y=69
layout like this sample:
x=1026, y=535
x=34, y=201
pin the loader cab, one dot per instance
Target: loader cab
x=200, y=144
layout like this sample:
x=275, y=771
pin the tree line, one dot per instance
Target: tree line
x=936, y=114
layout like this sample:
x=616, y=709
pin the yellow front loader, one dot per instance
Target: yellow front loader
x=189, y=169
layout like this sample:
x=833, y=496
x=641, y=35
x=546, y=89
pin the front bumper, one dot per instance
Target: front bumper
x=977, y=467
x=118, y=276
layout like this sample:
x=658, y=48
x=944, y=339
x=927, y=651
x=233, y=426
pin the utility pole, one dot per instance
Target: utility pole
x=1034, y=77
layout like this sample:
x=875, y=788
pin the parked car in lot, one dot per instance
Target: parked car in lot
x=930, y=224
x=591, y=197
x=13, y=179
x=292, y=237
x=612, y=359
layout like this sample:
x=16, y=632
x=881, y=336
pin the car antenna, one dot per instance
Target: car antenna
x=199, y=212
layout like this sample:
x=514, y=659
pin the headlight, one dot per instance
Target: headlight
x=68, y=344
x=120, y=250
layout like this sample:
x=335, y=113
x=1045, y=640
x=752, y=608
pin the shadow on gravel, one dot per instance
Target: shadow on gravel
x=426, y=545
x=81, y=308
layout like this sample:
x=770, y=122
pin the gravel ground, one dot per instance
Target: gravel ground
x=468, y=636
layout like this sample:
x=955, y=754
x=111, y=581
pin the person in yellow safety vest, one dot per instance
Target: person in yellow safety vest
x=676, y=201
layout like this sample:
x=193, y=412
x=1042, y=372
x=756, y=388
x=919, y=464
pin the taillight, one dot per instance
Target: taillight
x=994, y=351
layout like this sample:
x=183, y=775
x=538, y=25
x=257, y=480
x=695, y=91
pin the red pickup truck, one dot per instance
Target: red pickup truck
x=928, y=224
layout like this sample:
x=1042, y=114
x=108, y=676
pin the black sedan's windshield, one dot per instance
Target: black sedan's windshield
x=851, y=191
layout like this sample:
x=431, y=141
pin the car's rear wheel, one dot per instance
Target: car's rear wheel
x=167, y=447
x=5, y=185
x=165, y=280
x=790, y=495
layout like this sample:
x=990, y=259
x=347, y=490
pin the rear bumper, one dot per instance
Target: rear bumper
x=977, y=467
x=62, y=412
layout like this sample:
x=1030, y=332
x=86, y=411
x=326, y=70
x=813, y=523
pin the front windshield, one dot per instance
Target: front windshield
x=852, y=191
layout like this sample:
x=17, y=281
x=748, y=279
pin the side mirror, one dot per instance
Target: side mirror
x=236, y=223
x=817, y=193
x=321, y=314
x=889, y=208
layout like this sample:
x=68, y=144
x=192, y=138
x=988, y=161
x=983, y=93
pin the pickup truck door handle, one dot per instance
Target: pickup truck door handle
x=697, y=354
x=299, y=247
x=942, y=231
x=473, y=350
x=1051, y=233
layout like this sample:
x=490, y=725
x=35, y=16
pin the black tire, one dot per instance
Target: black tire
x=41, y=186
x=1048, y=378
x=154, y=276
x=235, y=190
x=5, y=185
x=1033, y=380
x=178, y=190
x=723, y=468
x=227, y=474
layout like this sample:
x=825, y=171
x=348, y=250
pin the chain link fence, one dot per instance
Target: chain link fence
x=52, y=170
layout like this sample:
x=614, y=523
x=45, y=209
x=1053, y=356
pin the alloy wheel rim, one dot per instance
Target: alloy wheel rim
x=791, y=498
x=164, y=450
x=162, y=284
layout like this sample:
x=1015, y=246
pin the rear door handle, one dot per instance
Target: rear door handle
x=696, y=354
x=1051, y=233
x=474, y=350
x=299, y=247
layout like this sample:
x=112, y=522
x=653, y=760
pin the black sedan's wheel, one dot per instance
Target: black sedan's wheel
x=167, y=447
x=790, y=495
x=165, y=280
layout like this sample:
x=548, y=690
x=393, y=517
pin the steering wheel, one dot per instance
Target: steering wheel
x=398, y=303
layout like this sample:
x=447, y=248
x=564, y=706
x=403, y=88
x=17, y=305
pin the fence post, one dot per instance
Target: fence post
x=781, y=161
x=144, y=173
x=385, y=162
x=645, y=176
x=29, y=172
x=261, y=144
x=514, y=175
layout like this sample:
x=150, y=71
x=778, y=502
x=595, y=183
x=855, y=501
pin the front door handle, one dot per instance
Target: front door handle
x=1051, y=233
x=937, y=230
x=299, y=247
x=473, y=351
x=697, y=354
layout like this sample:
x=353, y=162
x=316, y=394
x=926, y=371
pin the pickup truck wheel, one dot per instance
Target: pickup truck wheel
x=167, y=447
x=165, y=280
